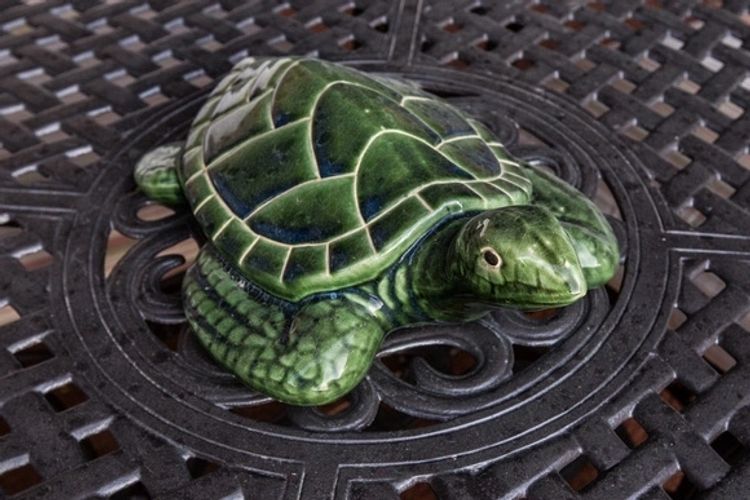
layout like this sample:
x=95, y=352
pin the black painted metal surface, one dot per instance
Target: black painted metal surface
x=639, y=390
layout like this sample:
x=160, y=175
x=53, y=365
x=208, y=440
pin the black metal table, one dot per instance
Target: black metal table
x=642, y=389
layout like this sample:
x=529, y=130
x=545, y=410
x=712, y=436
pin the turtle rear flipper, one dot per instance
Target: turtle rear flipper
x=309, y=358
x=156, y=174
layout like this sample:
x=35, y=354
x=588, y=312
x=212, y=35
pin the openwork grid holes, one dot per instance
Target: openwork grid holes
x=669, y=79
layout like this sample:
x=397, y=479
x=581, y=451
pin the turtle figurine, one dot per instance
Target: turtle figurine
x=339, y=205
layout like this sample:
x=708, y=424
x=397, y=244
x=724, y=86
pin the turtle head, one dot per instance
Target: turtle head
x=518, y=257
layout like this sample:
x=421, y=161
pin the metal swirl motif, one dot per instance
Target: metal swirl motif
x=427, y=380
x=421, y=389
x=438, y=398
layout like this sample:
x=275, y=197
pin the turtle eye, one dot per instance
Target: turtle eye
x=492, y=258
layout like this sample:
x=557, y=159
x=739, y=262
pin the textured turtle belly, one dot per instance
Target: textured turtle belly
x=272, y=346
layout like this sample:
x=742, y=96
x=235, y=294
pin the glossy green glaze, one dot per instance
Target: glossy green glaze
x=339, y=206
x=156, y=174
x=309, y=356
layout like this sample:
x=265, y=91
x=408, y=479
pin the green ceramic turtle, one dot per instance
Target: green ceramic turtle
x=339, y=205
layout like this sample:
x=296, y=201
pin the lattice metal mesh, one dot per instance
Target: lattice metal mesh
x=639, y=390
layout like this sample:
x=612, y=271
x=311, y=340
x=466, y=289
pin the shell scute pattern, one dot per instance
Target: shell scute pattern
x=379, y=189
x=298, y=207
x=247, y=119
x=409, y=213
x=474, y=155
x=375, y=114
x=444, y=119
x=355, y=246
x=294, y=217
x=316, y=77
x=251, y=176
x=304, y=261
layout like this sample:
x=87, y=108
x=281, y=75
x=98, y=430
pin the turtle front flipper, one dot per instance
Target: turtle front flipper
x=308, y=357
x=156, y=174
x=592, y=237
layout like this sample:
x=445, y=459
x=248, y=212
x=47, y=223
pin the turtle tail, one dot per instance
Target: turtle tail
x=156, y=174
x=306, y=356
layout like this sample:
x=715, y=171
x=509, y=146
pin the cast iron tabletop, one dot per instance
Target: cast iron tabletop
x=642, y=389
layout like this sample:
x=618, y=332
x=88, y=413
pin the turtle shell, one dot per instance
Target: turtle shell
x=309, y=176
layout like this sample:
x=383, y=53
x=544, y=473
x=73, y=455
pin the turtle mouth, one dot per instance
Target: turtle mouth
x=517, y=295
x=551, y=300
x=574, y=289
x=538, y=299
